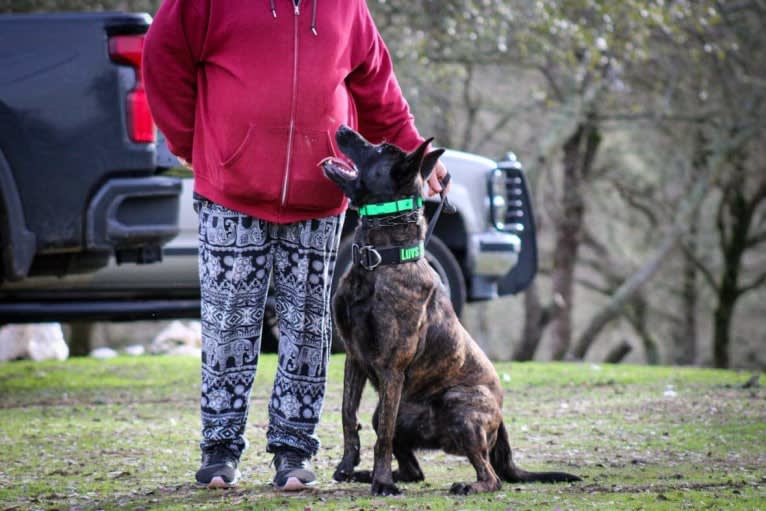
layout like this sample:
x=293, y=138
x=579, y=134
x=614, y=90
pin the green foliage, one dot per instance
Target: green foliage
x=123, y=433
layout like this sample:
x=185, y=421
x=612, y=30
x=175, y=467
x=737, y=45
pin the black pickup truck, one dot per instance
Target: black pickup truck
x=85, y=189
x=78, y=165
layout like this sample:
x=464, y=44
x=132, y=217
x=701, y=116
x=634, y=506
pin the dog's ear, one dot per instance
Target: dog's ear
x=416, y=156
x=413, y=164
x=429, y=162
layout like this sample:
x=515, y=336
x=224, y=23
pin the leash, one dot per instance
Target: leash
x=442, y=204
x=369, y=257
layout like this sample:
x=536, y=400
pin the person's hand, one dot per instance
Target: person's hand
x=434, y=187
x=184, y=163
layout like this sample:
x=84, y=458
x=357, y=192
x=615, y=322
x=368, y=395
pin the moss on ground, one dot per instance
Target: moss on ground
x=123, y=433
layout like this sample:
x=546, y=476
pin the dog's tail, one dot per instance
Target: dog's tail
x=502, y=461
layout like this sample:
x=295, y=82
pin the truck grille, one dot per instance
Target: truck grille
x=514, y=215
x=517, y=195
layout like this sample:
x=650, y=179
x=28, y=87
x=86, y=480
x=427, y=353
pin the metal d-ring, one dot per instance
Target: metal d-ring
x=362, y=254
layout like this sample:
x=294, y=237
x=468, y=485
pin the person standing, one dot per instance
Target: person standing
x=250, y=93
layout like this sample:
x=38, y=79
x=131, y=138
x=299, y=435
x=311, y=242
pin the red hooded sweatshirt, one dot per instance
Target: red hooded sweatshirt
x=252, y=91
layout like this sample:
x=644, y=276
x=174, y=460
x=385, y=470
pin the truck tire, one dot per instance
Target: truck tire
x=441, y=259
x=438, y=256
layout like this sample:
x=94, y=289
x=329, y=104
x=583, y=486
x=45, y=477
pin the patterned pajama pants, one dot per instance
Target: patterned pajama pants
x=238, y=255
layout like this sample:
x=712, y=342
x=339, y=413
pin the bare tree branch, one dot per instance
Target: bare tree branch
x=601, y=289
x=659, y=117
x=633, y=198
x=756, y=283
x=631, y=285
x=756, y=239
x=707, y=274
x=552, y=83
x=471, y=105
x=489, y=135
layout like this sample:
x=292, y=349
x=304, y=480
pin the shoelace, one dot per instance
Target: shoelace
x=288, y=460
x=220, y=454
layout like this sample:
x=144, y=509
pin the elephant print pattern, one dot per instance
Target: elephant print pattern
x=238, y=256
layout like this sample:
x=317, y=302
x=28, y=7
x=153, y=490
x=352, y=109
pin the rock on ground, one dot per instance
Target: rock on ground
x=35, y=341
x=178, y=339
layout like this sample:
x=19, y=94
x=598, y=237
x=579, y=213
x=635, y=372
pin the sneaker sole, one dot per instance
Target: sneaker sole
x=295, y=484
x=218, y=483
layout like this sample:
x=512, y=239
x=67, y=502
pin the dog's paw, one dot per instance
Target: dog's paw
x=461, y=489
x=344, y=471
x=362, y=476
x=402, y=476
x=477, y=487
x=383, y=489
x=343, y=475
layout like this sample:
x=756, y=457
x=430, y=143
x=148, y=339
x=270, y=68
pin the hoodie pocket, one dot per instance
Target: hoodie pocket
x=253, y=170
x=309, y=188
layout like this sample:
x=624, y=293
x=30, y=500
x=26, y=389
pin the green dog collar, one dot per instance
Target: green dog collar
x=387, y=208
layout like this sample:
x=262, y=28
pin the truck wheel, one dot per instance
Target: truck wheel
x=441, y=259
x=438, y=256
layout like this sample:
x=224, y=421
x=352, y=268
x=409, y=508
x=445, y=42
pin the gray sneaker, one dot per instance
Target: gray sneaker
x=293, y=471
x=219, y=467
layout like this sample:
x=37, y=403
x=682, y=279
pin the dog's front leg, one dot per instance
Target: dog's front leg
x=353, y=385
x=390, y=394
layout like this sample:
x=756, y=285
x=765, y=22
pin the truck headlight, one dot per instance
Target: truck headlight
x=498, y=202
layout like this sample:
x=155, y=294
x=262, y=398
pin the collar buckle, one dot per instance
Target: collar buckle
x=365, y=256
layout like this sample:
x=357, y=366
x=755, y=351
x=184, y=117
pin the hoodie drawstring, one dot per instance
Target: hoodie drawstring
x=314, y=18
x=313, y=14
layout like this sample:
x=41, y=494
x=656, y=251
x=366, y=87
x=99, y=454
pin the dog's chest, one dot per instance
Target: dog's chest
x=384, y=310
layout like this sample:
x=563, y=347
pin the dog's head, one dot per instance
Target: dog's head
x=381, y=172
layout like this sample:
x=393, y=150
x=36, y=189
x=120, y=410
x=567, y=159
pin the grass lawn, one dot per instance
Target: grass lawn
x=123, y=433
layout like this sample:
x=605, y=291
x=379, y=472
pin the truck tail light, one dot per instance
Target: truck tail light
x=128, y=50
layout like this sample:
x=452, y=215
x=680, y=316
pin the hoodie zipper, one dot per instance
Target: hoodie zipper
x=293, y=100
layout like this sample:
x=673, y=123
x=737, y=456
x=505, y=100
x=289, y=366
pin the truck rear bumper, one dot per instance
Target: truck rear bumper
x=134, y=217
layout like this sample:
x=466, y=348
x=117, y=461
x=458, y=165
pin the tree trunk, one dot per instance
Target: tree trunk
x=722, y=325
x=636, y=312
x=618, y=352
x=579, y=154
x=534, y=324
x=734, y=244
x=686, y=332
x=443, y=120
x=80, y=338
x=735, y=218
x=536, y=316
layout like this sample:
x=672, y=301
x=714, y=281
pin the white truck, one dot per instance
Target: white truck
x=487, y=248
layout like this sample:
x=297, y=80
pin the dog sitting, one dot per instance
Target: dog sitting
x=437, y=389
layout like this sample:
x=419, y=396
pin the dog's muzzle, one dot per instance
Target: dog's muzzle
x=365, y=256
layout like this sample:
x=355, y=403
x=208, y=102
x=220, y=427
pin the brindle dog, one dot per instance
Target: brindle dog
x=437, y=388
